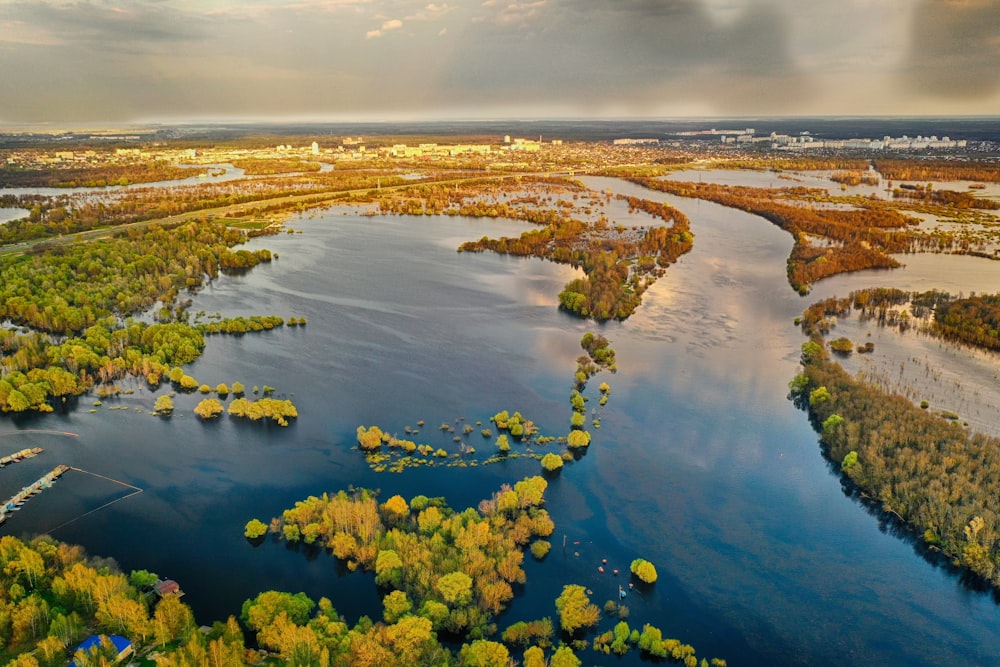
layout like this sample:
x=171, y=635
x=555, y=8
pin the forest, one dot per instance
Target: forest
x=73, y=304
x=861, y=238
x=95, y=176
x=948, y=198
x=261, y=167
x=618, y=263
x=441, y=571
x=922, y=468
x=937, y=170
x=66, y=214
x=972, y=320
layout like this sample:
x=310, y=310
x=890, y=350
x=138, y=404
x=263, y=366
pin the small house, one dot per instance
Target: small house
x=168, y=588
x=92, y=643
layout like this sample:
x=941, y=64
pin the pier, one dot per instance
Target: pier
x=20, y=456
x=18, y=499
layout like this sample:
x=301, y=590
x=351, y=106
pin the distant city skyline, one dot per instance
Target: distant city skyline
x=92, y=61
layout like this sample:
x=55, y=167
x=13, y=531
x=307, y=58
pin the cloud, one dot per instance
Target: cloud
x=137, y=27
x=955, y=48
x=636, y=54
x=119, y=60
x=391, y=24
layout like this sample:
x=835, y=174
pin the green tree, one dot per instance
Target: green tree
x=651, y=641
x=850, y=460
x=142, y=579
x=388, y=568
x=819, y=395
x=263, y=609
x=395, y=605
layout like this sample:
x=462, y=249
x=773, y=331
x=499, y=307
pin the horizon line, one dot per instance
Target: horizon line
x=53, y=125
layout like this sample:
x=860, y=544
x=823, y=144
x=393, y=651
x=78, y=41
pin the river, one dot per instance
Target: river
x=701, y=466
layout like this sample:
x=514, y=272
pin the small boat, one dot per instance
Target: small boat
x=600, y=568
x=621, y=592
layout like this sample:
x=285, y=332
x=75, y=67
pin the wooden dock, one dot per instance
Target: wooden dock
x=18, y=499
x=20, y=456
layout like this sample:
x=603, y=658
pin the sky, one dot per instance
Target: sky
x=73, y=61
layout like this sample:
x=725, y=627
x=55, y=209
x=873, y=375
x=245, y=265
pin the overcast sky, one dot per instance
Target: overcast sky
x=140, y=60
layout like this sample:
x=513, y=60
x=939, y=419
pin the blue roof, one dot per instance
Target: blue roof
x=90, y=642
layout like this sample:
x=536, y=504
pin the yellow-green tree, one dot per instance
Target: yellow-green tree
x=455, y=588
x=164, y=405
x=208, y=408
x=484, y=653
x=575, y=609
x=552, y=462
x=644, y=570
x=395, y=605
x=255, y=528
x=171, y=620
x=370, y=438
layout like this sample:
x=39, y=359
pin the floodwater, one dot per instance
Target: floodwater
x=216, y=173
x=701, y=465
x=8, y=214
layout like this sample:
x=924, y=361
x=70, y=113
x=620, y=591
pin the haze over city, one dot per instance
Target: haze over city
x=166, y=60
